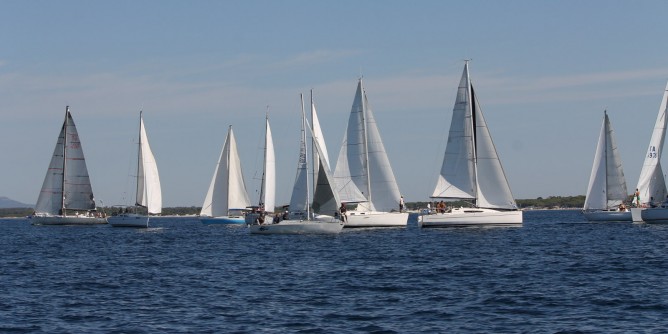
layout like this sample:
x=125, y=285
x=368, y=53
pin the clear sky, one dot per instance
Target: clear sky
x=544, y=72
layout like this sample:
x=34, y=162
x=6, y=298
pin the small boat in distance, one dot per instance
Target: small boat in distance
x=66, y=197
x=472, y=170
x=148, y=194
x=227, y=199
x=607, y=186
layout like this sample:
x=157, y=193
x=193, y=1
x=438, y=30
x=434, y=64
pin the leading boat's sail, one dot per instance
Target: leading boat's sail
x=149, y=194
x=363, y=171
x=607, y=185
x=651, y=183
x=471, y=166
x=67, y=184
x=299, y=201
x=227, y=190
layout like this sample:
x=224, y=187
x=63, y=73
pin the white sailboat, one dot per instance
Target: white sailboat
x=148, y=194
x=607, y=186
x=227, y=198
x=324, y=219
x=651, y=183
x=66, y=197
x=472, y=170
x=267, y=202
x=363, y=172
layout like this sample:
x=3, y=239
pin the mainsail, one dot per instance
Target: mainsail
x=299, y=202
x=607, y=185
x=363, y=172
x=227, y=189
x=268, y=187
x=66, y=185
x=471, y=166
x=149, y=194
x=651, y=183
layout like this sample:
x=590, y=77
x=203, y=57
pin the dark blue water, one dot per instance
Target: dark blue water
x=557, y=274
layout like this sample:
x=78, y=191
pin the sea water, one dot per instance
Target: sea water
x=557, y=273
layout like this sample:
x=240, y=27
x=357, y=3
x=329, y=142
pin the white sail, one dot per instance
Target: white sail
x=268, y=192
x=317, y=133
x=149, y=194
x=651, y=183
x=457, y=177
x=299, y=202
x=325, y=198
x=471, y=166
x=363, y=171
x=607, y=186
x=227, y=189
x=66, y=185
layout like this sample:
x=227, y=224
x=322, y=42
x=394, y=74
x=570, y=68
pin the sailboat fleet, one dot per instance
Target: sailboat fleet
x=361, y=191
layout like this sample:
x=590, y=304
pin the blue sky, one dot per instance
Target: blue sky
x=544, y=71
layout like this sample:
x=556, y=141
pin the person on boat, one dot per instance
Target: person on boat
x=401, y=204
x=260, y=218
x=428, y=207
x=285, y=215
x=342, y=212
x=622, y=207
x=637, y=195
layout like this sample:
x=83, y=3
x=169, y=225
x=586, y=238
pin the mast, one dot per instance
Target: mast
x=605, y=151
x=366, y=144
x=65, y=125
x=227, y=182
x=308, y=198
x=138, y=160
x=471, y=110
x=264, y=164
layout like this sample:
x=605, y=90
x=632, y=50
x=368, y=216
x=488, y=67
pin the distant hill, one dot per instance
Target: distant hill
x=6, y=202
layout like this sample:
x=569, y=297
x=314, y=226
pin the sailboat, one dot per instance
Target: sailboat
x=66, y=197
x=267, y=202
x=472, y=170
x=607, y=186
x=651, y=183
x=324, y=219
x=227, y=198
x=363, y=172
x=148, y=194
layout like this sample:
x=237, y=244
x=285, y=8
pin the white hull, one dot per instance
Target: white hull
x=128, y=220
x=608, y=216
x=299, y=227
x=376, y=219
x=655, y=215
x=636, y=214
x=67, y=220
x=465, y=217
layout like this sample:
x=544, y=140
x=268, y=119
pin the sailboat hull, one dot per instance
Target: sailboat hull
x=608, y=216
x=469, y=217
x=223, y=220
x=655, y=215
x=128, y=220
x=298, y=227
x=376, y=219
x=67, y=220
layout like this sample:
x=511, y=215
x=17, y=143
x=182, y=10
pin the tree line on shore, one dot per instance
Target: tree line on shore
x=551, y=202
